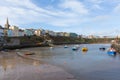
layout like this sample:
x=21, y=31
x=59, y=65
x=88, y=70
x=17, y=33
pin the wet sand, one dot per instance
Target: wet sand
x=14, y=67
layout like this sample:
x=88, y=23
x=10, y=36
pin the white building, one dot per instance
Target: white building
x=38, y=32
x=66, y=34
x=52, y=33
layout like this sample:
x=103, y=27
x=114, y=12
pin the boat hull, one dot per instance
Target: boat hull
x=111, y=52
x=84, y=49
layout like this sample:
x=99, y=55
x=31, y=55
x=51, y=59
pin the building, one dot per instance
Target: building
x=66, y=34
x=73, y=35
x=38, y=32
x=10, y=33
x=6, y=28
x=15, y=30
x=29, y=32
x=1, y=31
x=58, y=34
x=52, y=33
x=7, y=24
x=21, y=32
x=1, y=37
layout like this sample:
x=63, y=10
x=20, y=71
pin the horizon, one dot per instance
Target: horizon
x=93, y=17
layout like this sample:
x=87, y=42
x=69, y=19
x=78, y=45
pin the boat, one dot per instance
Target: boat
x=65, y=46
x=29, y=53
x=84, y=49
x=102, y=48
x=74, y=48
x=111, y=51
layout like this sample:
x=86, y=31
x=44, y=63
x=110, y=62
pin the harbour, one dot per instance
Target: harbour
x=93, y=64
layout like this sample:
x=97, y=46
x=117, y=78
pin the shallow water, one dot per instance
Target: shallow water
x=91, y=65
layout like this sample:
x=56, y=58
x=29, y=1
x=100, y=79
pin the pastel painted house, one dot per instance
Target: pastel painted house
x=66, y=34
x=73, y=35
x=1, y=31
x=14, y=29
x=29, y=32
x=21, y=32
x=1, y=36
x=10, y=33
x=52, y=33
x=38, y=32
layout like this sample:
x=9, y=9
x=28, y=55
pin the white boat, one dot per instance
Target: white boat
x=65, y=46
x=76, y=47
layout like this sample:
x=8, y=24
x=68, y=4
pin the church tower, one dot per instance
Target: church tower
x=7, y=24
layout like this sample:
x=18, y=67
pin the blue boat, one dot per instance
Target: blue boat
x=111, y=52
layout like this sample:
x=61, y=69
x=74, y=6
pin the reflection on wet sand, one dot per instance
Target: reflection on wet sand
x=14, y=67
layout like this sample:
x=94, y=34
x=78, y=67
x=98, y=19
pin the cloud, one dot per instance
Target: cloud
x=67, y=14
x=96, y=4
x=74, y=6
x=96, y=7
x=117, y=9
x=96, y=1
x=25, y=12
x=101, y=18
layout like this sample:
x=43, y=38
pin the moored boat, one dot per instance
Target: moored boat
x=102, y=48
x=112, y=51
x=65, y=46
x=74, y=48
x=84, y=49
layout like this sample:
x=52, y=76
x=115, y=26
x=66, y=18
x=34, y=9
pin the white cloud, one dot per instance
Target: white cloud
x=75, y=6
x=96, y=1
x=25, y=12
x=117, y=9
x=101, y=18
x=95, y=6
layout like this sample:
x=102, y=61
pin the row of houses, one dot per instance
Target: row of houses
x=14, y=31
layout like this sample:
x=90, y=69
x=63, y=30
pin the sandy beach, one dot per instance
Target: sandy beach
x=14, y=67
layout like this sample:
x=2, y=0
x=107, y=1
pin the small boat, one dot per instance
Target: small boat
x=102, y=48
x=65, y=46
x=112, y=51
x=84, y=49
x=51, y=47
x=29, y=53
x=74, y=48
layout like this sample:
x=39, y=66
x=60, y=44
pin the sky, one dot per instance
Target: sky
x=86, y=17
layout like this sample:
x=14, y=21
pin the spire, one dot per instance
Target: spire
x=7, y=21
x=7, y=24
